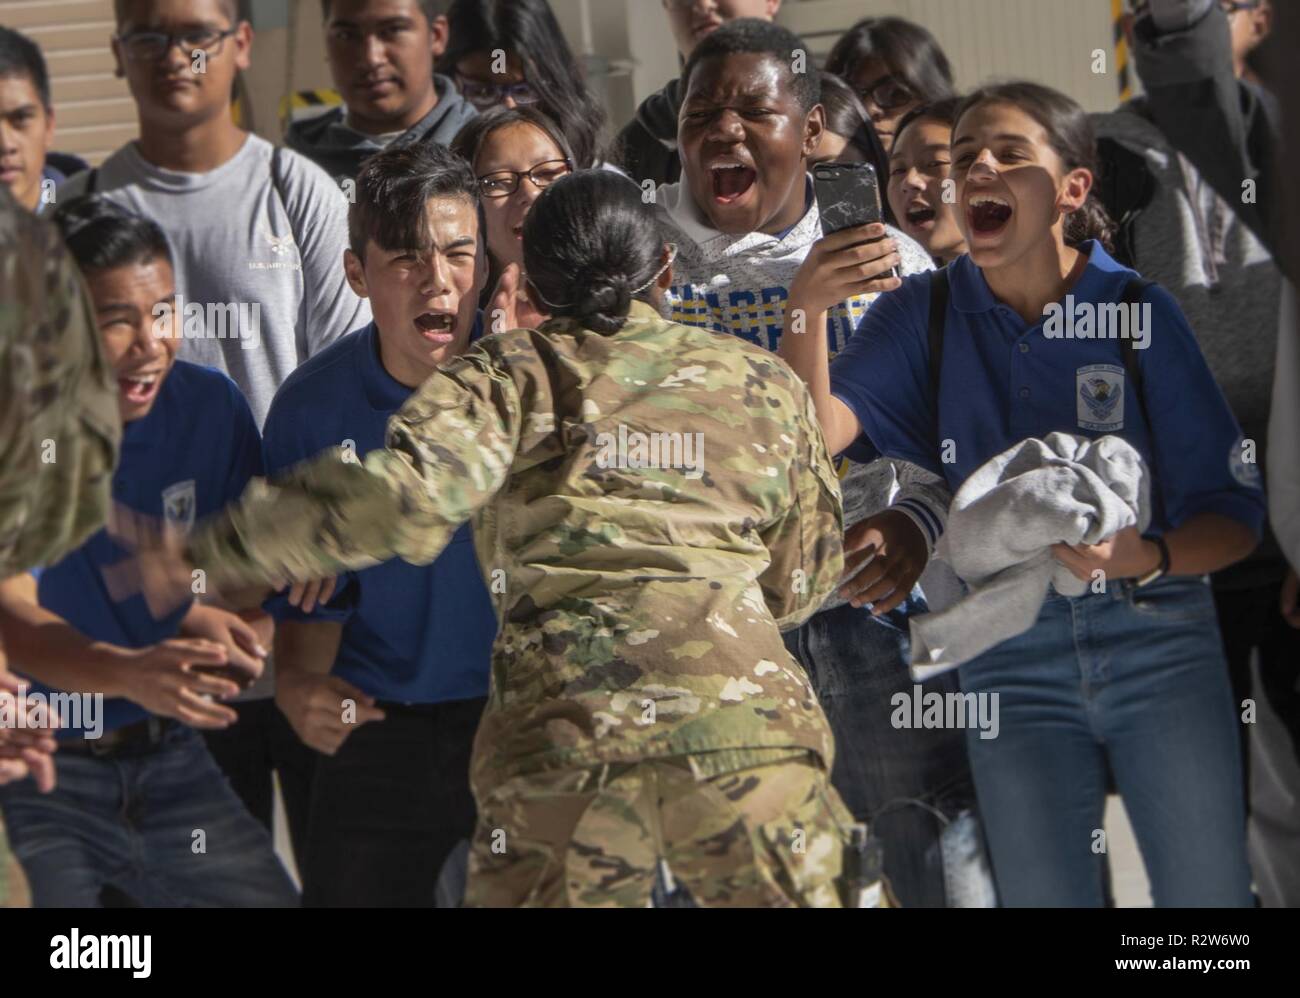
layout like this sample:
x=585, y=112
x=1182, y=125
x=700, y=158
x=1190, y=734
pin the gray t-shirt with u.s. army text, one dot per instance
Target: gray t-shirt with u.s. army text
x=260, y=272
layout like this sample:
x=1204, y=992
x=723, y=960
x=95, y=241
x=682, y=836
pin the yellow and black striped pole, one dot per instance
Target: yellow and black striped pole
x=1121, y=49
x=301, y=100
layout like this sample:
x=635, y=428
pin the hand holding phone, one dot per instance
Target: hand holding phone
x=848, y=196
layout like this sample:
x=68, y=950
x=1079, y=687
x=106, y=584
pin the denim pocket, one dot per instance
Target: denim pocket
x=898, y=617
x=1179, y=599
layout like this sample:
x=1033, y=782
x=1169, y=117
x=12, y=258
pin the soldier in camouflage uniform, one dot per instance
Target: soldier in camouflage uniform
x=59, y=426
x=643, y=706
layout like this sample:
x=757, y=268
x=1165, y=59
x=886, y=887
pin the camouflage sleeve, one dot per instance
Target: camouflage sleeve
x=59, y=425
x=448, y=450
x=806, y=544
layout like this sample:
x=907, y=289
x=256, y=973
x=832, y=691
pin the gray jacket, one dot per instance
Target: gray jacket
x=327, y=140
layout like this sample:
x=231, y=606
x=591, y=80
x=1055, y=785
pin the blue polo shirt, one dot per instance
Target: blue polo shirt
x=192, y=454
x=1004, y=380
x=414, y=634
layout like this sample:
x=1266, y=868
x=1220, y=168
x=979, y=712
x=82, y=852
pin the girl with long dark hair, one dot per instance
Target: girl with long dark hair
x=893, y=65
x=516, y=153
x=513, y=53
x=919, y=185
x=1128, y=678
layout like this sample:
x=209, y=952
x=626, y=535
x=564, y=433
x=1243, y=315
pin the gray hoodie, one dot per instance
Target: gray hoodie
x=1193, y=244
x=339, y=150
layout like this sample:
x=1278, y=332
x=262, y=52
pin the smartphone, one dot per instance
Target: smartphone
x=240, y=677
x=848, y=195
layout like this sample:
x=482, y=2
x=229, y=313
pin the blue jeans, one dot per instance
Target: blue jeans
x=1133, y=680
x=908, y=784
x=131, y=822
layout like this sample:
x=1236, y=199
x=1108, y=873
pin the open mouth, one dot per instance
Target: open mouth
x=920, y=215
x=518, y=231
x=988, y=213
x=731, y=182
x=436, y=327
x=140, y=388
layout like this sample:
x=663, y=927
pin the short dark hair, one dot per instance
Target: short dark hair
x=228, y=7
x=469, y=140
x=590, y=245
x=393, y=188
x=943, y=111
x=911, y=54
x=20, y=56
x=101, y=235
x=747, y=35
x=430, y=8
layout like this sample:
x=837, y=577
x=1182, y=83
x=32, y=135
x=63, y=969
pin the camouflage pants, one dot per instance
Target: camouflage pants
x=769, y=836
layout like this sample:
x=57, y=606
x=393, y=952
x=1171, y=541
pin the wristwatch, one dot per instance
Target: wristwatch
x=1162, y=568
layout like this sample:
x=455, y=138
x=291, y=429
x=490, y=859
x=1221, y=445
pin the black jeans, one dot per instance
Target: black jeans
x=390, y=805
x=905, y=783
x=247, y=752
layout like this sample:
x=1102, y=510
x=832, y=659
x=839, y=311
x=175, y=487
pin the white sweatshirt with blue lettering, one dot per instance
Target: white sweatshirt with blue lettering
x=739, y=285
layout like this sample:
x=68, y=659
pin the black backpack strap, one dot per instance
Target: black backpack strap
x=938, y=318
x=1133, y=293
x=1125, y=186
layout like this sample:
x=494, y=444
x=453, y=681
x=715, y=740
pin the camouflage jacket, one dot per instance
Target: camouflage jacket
x=59, y=423
x=639, y=606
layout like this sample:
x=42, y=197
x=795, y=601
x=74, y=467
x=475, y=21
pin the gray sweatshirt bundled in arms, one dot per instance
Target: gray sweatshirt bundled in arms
x=1001, y=528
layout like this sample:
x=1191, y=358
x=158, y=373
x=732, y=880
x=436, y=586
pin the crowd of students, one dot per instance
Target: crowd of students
x=392, y=332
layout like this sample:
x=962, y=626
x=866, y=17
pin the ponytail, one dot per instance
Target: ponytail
x=1091, y=221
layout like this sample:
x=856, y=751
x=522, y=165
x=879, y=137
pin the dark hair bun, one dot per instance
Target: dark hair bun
x=591, y=245
x=604, y=304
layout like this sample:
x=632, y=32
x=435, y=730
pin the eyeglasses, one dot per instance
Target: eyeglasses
x=147, y=45
x=503, y=183
x=486, y=95
x=887, y=94
x=1231, y=7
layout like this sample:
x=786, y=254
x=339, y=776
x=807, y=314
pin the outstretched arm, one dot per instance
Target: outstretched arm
x=449, y=449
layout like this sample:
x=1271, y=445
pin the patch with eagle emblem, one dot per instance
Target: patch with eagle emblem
x=1099, y=397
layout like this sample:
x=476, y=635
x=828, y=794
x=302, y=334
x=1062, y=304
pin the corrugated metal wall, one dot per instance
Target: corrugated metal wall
x=94, y=113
